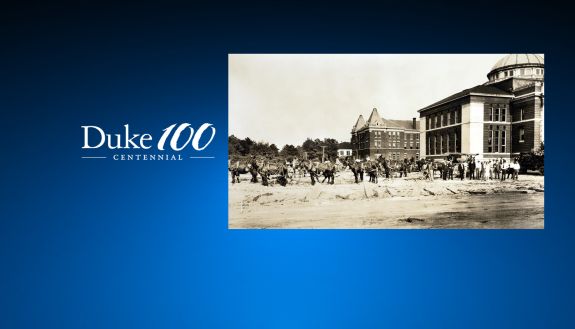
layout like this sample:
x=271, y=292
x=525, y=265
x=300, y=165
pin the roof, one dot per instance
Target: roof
x=375, y=119
x=405, y=124
x=477, y=90
x=359, y=124
x=344, y=145
x=518, y=59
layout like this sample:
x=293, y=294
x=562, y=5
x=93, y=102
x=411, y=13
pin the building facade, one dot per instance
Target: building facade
x=392, y=139
x=499, y=119
x=344, y=149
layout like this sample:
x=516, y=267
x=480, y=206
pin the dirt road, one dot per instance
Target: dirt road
x=397, y=203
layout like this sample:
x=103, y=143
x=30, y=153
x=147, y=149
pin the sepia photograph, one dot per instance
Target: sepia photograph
x=386, y=141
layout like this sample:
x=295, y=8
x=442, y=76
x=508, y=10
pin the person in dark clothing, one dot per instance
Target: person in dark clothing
x=386, y=168
x=472, y=169
x=254, y=169
x=461, y=171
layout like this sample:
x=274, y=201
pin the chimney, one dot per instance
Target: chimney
x=413, y=125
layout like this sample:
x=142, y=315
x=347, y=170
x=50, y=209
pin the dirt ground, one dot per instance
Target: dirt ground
x=395, y=203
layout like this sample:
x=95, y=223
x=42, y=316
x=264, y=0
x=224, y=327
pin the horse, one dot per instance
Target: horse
x=268, y=169
x=311, y=168
x=238, y=170
x=356, y=169
x=327, y=169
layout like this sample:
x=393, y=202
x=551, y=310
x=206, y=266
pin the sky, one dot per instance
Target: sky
x=284, y=99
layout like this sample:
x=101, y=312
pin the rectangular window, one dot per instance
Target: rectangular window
x=449, y=118
x=496, y=114
x=491, y=114
x=457, y=148
x=503, y=141
x=496, y=141
x=448, y=146
x=521, y=135
x=490, y=141
x=503, y=114
x=521, y=115
x=441, y=144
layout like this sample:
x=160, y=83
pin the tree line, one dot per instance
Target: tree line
x=310, y=149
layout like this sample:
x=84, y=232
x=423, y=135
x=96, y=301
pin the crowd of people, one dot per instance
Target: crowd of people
x=283, y=171
x=474, y=169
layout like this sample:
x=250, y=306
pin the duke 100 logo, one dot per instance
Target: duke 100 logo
x=143, y=146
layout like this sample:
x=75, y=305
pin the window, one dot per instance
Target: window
x=455, y=142
x=511, y=73
x=491, y=114
x=496, y=140
x=448, y=146
x=521, y=115
x=449, y=118
x=521, y=135
x=441, y=144
x=496, y=114
x=436, y=121
x=490, y=140
x=503, y=141
x=503, y=112
x=456, y=114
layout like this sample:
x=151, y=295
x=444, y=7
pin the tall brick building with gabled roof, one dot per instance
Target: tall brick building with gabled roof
x=499, y=119
x=393, y=139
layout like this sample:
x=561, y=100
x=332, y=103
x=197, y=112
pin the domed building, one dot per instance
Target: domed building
x=528, y=66
x=498, y=119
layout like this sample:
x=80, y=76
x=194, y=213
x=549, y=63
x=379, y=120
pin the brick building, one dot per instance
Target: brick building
x=499, y=119
x=394, y=139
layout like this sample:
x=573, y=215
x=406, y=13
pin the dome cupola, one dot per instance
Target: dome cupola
x=528, y=66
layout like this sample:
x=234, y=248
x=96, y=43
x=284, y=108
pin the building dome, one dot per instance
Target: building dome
x=528, y=66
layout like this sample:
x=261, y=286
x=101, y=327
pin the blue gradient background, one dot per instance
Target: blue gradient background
x=105, y=244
